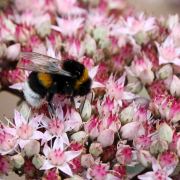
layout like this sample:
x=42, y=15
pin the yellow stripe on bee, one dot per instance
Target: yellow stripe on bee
x=45, y=79
x=83, y=78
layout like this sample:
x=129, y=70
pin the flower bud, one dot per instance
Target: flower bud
x=44, y=29
x=165, y=132
x=147, y=77
x=13, y=52
x=127, y=115
x=158, y=145
x=100, y=33
x=86, y=110
x=175, y=86
x=106, y=137
x=75, y=177
x=32, y=148
x=90, y=46
x=3, y=49
x=144, y=157
x=98, y=55
x=79, y=137
x=25, y=111
x=165, y=72
x=143, y=102
x=135, y=87
x=87, y=160
x=141, y=37
x=38, y=160
x=17, y=161
x=105, y=43
x=95, y=149
x=5, y=166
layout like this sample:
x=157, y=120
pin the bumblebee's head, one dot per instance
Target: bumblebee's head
x=84, y=88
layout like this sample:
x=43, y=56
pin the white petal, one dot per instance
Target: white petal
x=46, y=150
x=59, y=112
x=93, y=72
x=146, y=176
x=35, y=122
x=96, y=84
x=155, y=165
x=18, y=86
x=38, y=135
x=66, y=169
x=72, y=154
x=58, y=143
x=22, y=143
x=65, y=138
x=18, y=118
x=46, y=166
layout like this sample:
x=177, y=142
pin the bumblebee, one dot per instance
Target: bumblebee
x=50, y=76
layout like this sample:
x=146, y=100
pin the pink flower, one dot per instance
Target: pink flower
x=134, y=25
x=59, y=128
x=24, y=130
x=168, y=53
x=65, y=26
x=116, y=89
x=58, y=157
x=69, y=7
x=158, y=172
x=7, y=142
x=141, y=68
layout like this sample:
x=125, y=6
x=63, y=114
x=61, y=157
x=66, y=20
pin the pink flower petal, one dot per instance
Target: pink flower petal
x=72, y=154
x=59, y=112
x=46, y=166
x=155, y=165
x=93, y=72
x=96, y=84
x=58, y=143
x=147, y=176
x=22, y=143
x=65, y=138
x=18, y=119
x=46, y=150
x=38, y=135
x=66, y=169
x=18, y=86
x=11, y=131
x=69, y=125
x=35, y=122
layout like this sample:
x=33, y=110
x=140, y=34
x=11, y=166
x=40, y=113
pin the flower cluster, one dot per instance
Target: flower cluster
x=112, y=129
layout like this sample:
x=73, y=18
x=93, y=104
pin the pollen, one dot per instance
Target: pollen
x=45, y=79
x=83, y=78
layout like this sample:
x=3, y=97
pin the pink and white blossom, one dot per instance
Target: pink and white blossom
x=59, y=158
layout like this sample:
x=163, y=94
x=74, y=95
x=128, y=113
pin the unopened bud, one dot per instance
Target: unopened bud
x=38, y=160
x=79, y=137
x=100, y=33
x=13, y=52
x=147, y=77
x=87, y=160
x=17, y=161
x=25, y=111
x=96, y=149
x=141, y=37
x=32, y=148
x=144, y=157
x=158, y=145
x=165, y=72
x=165, y=132
x=86, y=110
x=3, y=49
x=44, y=29
x=135, y=87
x=175, y=86
x=90, y=46
x=105, y=43
x=127, y=115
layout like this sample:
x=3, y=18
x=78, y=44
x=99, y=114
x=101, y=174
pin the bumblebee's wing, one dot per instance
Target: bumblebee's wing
x=32, y=61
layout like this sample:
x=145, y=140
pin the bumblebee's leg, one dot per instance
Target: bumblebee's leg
x=83, y=104
x=69, y=91
x=50, y=94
